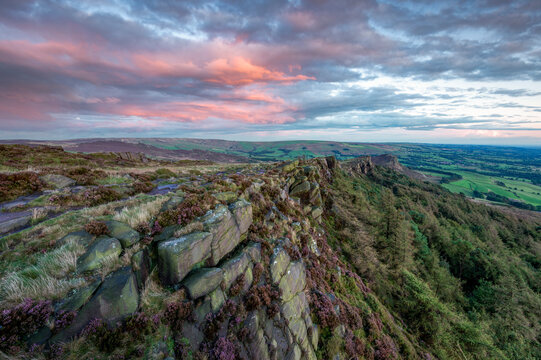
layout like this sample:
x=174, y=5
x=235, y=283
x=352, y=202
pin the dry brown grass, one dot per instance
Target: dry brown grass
x=46, y=279
x=141, y=213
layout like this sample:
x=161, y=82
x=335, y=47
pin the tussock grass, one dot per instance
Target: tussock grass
x=46, y=279
x=153, y=296
x=141, y=213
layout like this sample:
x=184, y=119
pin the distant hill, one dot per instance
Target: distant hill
x=501, y=174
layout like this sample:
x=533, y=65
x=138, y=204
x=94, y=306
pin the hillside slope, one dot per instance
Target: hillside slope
x=306, y=259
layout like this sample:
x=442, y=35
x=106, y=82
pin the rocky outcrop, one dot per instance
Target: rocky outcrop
x=132, y=156
x=177, y=256
x=223, y=229
x=362, y=165
x=115, y=299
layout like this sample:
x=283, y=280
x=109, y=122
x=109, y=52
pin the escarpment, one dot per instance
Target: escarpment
x=232, y=267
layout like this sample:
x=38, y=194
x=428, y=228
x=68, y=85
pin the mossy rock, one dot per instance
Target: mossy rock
x=226, y=234
x=242, y=212
x=173, y=202
x=177, y=257
x=278, y=263
x=167, y=233
x=125, y=234
x=298, y=190
x=103, y=248
x=115, y=299
x=293, y=281
x=233, y=267
x=227, y=196
x=78, y=298
x=202, y=281
x=76, y=237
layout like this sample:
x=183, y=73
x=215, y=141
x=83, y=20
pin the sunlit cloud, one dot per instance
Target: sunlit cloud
x=398, y=70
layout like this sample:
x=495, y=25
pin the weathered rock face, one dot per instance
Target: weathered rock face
x=242, y=212
x=78, y=298
x=223, y=229
x=58, y=181
x=203, y=281
x=234, y=267
x=115, y=299
x=125, y=234
x=226, y=234
x=176, y=257
x=362, y=165
x=103, y=248
x=293, y=281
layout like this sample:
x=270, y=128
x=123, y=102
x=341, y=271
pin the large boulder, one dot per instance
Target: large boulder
x=242, y=212
x=78, y=298
x=101, y=250
x=23, y=220
x=76, y=237
x=226, y=234
x=57, y=181
x=114, y=300
x=125, y=234
x=298, y=190
x=176, y=257
x=203, y=281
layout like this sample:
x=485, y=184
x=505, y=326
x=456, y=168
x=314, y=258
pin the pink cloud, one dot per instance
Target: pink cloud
x=99, y=66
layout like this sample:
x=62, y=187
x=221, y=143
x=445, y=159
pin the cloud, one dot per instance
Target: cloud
x=269, y=65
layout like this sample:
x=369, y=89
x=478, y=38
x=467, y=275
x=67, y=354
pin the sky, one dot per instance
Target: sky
x=464, y=72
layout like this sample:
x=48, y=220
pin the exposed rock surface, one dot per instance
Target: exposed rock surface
x=116, y=298
x=125, y=234
x=176, y=257
x=101, y=250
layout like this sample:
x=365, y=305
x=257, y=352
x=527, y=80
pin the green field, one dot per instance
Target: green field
x=477, y=171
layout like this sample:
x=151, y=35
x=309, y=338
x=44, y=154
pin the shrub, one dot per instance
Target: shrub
x=142, y=187
x=176, y=313
x=237, y=286
x=97, y=228
x=22, y=320
x=19, y=184
x=103, y=336
x=194, y=205
x=138, y=325
x=262, y=295
x=324, y=310
x=224, y=349
x=63, y=320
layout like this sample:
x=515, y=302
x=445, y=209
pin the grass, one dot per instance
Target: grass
x=141, y=213
x=514, y=189
x=46, y=279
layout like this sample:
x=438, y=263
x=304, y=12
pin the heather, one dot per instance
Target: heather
x=309, y=259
